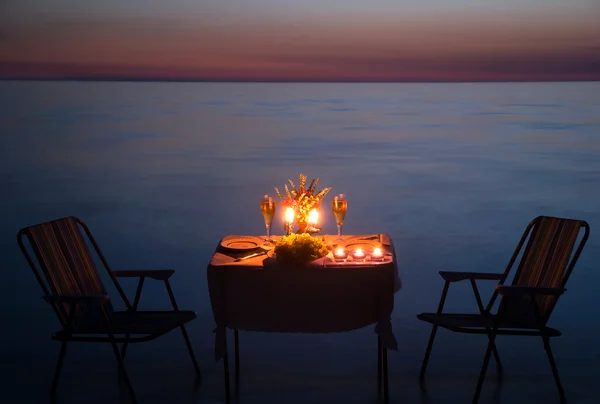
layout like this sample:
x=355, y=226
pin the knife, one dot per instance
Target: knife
x=250, y=256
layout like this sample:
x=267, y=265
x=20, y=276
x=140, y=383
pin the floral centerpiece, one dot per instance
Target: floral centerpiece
x=298, y=249
x=302, y=199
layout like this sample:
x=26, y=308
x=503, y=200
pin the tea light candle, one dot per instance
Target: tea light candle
x=377, y=253
x=340, y=254
x=289, y=215
x=358, y=253
x=313, y=217
x=289, y=221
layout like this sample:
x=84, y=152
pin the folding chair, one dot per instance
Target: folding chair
x=526, y=305
x=73, y=287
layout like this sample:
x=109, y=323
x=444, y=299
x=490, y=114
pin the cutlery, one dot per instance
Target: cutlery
x=250, y=256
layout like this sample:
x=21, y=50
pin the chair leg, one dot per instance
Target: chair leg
x=379, y=366
x=59, y=363
x=484, y=366
x=183, y=330
x=136, y=301
x=123, y=373
x=124, y=347
x=427, y=354
x=123, y=353
x=190, y=350
x=237, y=362
x=498, y=362
x=563, y=398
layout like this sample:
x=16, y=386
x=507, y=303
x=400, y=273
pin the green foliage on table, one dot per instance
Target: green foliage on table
x=299, y=249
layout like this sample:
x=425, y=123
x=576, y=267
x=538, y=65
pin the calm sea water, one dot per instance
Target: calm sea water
x=161, y=171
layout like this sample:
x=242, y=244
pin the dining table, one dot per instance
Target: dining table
x=352, y=287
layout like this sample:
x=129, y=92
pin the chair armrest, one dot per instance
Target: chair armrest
x=459, y=276
x=88, y=299
x=516, y=290
x=158, y=274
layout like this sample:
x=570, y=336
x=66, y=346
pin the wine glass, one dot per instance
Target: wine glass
x=267, y=207
x=339, y=206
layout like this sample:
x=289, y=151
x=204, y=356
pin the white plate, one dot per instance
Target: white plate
x=242, y=243
x=366, y=245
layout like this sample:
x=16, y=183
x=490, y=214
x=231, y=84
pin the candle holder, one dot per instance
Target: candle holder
x=359, y=254
x=310, y=229
x=312, y=223
x=377, y=254
x=340, y=254
x=288, y=228
x=288, y=221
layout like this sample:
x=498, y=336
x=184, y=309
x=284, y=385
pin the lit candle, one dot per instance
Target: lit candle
x=289, y=220
x=313, y=217
x=359, y=253
x=377, y=253
x=289, y=215
x=340, y=254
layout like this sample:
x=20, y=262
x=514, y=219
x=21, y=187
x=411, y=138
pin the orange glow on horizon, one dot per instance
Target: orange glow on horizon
x=373, y=48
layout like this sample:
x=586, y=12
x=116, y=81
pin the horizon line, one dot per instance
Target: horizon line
x=299, y=81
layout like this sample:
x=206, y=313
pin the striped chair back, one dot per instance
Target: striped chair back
x=547, y=262
x=67, y=265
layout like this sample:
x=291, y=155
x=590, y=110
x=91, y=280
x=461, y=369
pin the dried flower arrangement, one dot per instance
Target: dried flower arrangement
x=302, y=199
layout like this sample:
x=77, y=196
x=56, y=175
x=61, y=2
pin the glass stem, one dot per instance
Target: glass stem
x=339, y=226
x=268, y=225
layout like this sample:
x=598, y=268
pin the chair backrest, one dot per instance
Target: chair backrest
x=547, y=261
x=67, y=266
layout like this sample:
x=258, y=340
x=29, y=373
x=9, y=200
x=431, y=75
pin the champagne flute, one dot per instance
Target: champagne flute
x=339, y=206
x=267, y=207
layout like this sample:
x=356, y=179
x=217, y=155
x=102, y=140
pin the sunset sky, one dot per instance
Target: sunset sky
x=302, y=40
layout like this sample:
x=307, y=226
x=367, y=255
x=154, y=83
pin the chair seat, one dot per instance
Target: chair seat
x=137, y=322
x=478, y=324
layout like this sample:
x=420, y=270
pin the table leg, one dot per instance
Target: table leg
x=379, y=366
x=226, y=372
x=385, y=374
x=237, y=363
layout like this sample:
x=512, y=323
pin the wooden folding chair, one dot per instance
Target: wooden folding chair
x=526, y=305
x=73, y=287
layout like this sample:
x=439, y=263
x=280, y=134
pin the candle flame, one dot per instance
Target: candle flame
x=339, y=251
x=359, y=252
x=289, y=215
x=313, y=217
x=377, y=252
